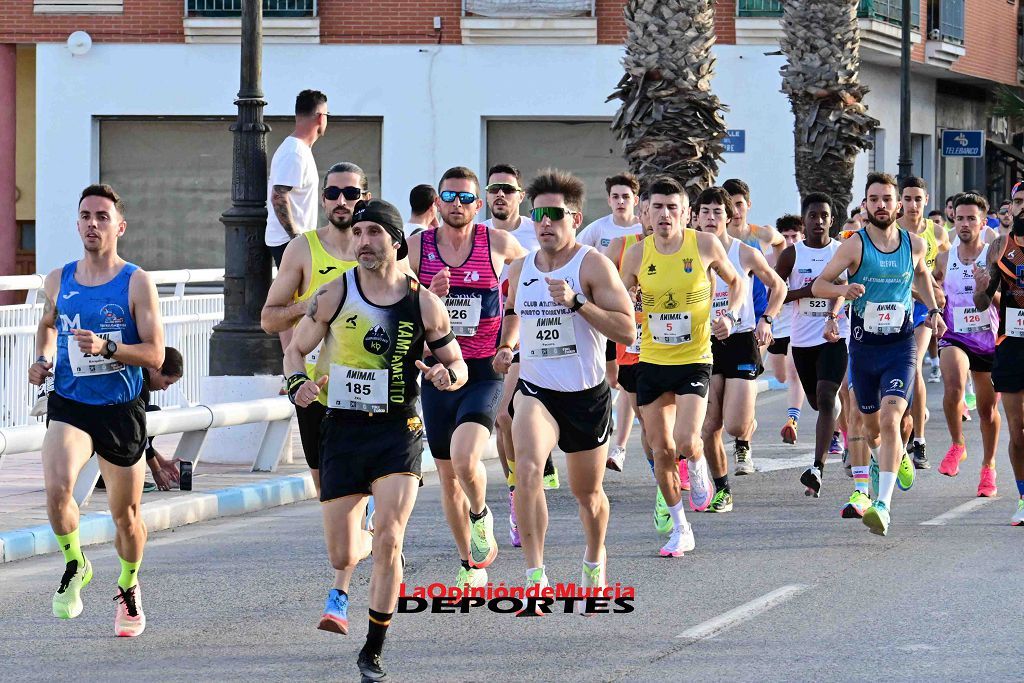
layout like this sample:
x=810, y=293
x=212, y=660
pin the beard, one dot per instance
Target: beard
x=1018, y=226
x=342, y=221
x=501, y=213
x=880, y=222
x=456, y=221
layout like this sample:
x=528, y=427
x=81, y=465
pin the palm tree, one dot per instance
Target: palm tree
x=821, y=42
x=670, y=122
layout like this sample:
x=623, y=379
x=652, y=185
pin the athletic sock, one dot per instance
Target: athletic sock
x=477, y=516
x=511, y=478
x=379, y=622
x=591, y=565
x=678, y=515
x=722, y=484
x=465, y=564
x=1020, y=487
x=71, y=546
x=650, y=463
x=794, y=414
x=886, y=484
x=819, y=462
x=860, y=478
x=129, y=573
x=918, y=440
x=549, y=467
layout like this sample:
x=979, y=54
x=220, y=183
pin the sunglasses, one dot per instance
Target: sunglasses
x=331, y=192
x=507, y=188
x=448, y=196
x=555, y=213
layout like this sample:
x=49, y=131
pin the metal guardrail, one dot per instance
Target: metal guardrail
x=233, y=8
x=192, y=423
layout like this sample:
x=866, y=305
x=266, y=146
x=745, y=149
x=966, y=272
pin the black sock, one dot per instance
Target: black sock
x=740, y=443
x=474, y=517
x=379, y=622
x=465, y=564
x=512, y=488
x=722, y=483
x=549, y=467
x=820, y=464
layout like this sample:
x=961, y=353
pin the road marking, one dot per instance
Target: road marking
x=773, y=464
x=723, y=622
x=958, y=511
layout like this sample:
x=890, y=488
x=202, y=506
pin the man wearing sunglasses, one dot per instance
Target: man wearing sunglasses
x=623, y=190
x=564, y=300
x=461, y=262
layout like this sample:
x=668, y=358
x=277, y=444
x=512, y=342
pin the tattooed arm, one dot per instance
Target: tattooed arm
x=46, y=332
x=313, y=327
x=282, y=209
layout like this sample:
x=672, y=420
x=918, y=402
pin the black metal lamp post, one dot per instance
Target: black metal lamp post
x=906, y=162
x=238, y=345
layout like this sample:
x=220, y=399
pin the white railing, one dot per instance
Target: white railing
x=192, y=423
x=188, y=324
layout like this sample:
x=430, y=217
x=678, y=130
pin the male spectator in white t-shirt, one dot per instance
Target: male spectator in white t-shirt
x=423, y=204
x=504, y=195
x=293, y=187
x=623, y=193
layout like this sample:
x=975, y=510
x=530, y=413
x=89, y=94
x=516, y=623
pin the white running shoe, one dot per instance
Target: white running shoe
x=702, y=487
x=680, y=541
x=1018, y=518
x=616, y=458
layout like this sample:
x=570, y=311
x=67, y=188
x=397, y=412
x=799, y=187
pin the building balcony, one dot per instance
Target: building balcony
x=78, y=6
x=529, y=22
x=219, y=21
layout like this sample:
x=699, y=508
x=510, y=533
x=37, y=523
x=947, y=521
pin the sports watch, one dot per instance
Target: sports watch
x=109, y=349
x=578, y=301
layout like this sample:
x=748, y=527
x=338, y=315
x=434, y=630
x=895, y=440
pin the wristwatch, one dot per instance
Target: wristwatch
x=732, y=316
x=109, y=349
x=831, y=316
x=935, y=311
x=451, y=376
x=578, y=301
x=767, y=318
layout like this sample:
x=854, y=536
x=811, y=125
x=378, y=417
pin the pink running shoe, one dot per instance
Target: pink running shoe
x=129, y=621
x=987, y=483
x=513, y=522
x=702, y=487
x=684, y=475
x=950, y=465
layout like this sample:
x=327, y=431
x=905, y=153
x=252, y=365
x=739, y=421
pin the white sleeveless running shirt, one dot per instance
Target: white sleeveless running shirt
x=720, y=298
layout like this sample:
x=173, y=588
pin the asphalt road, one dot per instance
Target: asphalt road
x=779, y=589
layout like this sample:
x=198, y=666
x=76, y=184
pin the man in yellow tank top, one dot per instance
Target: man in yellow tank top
x=669, y=271
x=914, y=198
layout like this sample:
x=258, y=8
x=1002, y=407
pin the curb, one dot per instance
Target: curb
x=98, y=527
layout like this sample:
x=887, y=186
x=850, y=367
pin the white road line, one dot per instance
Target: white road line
x=958, y=511
x=773, y=464
x=723, y=622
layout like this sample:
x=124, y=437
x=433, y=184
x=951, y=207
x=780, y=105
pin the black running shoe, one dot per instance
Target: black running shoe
x=371, y=666
x=918, y=456
x=811, y=478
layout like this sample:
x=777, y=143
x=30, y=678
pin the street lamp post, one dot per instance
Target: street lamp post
x=906, y=162
x=238, y=345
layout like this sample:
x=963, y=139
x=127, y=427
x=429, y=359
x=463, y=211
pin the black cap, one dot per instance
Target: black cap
x=386, y=216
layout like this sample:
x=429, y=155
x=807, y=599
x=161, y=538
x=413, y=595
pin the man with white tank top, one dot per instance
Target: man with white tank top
x=564, y=300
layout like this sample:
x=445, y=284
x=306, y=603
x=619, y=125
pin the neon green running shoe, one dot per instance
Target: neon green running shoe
x=722, y=502
x=876, y=518
x=905, y=475
x=856, y=507
x=971, y=401
x=483, y=547
x=67, y=601
x=473, y=578
x=662, y=517
x=551, y=480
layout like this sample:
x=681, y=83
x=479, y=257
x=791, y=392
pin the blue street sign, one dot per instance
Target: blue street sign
x=735, y=141
x=963, y=143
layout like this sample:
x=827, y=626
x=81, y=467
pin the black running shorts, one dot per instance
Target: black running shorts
x=654, y=380
x=1007, y=374
x=310, y=418
x=584, y=418
x=822, y=363
x=118, y=431
x=737, y=357
x=976, y=362
x=627, y=377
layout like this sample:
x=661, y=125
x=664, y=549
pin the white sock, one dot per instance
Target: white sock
x=874, y=452
x=677, y=513
x=919, y=440
x=886, y=484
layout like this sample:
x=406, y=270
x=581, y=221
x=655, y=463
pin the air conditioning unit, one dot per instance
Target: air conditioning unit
x=935, y=34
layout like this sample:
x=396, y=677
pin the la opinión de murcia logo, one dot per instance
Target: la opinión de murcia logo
x=566, y=598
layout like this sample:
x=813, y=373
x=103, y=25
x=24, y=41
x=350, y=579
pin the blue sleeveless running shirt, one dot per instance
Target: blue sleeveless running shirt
x=885, y=313
x=104, y=310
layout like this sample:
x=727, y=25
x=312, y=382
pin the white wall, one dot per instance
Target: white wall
x=433, y=100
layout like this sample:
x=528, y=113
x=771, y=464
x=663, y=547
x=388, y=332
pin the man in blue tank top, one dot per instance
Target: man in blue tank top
x=883, y=262
x=100, y=327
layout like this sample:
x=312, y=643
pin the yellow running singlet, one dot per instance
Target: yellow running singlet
x=324, y=269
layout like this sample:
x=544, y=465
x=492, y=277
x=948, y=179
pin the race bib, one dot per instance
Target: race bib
x=464, y=312
x=813, y=308
x=313, y=356
x=90, y=364
x=634, y=348
x=358, y=389
x=884, y=318
x=1014, y=322
x=670, y=328
x=968, y=319
x=548, y=337
x=719, y=303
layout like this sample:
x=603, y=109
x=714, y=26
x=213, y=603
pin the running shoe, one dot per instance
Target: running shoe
x=873, y=475
x=876, y=518
x=950, y=465
x=857, y=505
x=684, y=475
x=616, y=458
x=965, y=416
x=847, y=465
x=591, y=578
x=788, y=432
x=811, y=479
x=551, y=479
x=935, y=376
x=971, y=401
x=662, y=517
x=702, y=488
x=679, y=542
x=67, y=601
x=129, y=621
x=835, y=447
x=722, y=502
x=987, y=483
x=919, y=456
x=483, y=547
x=538, y=578
x=744, y=460
x=368, y=523
x=513, y=522
x=335, y=616
x=905, y=474
x=371, y=666
x=1018, y=518
x=474, y=578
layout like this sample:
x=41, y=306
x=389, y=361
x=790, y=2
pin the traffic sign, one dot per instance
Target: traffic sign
x=735, y=141
x=963, y=143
